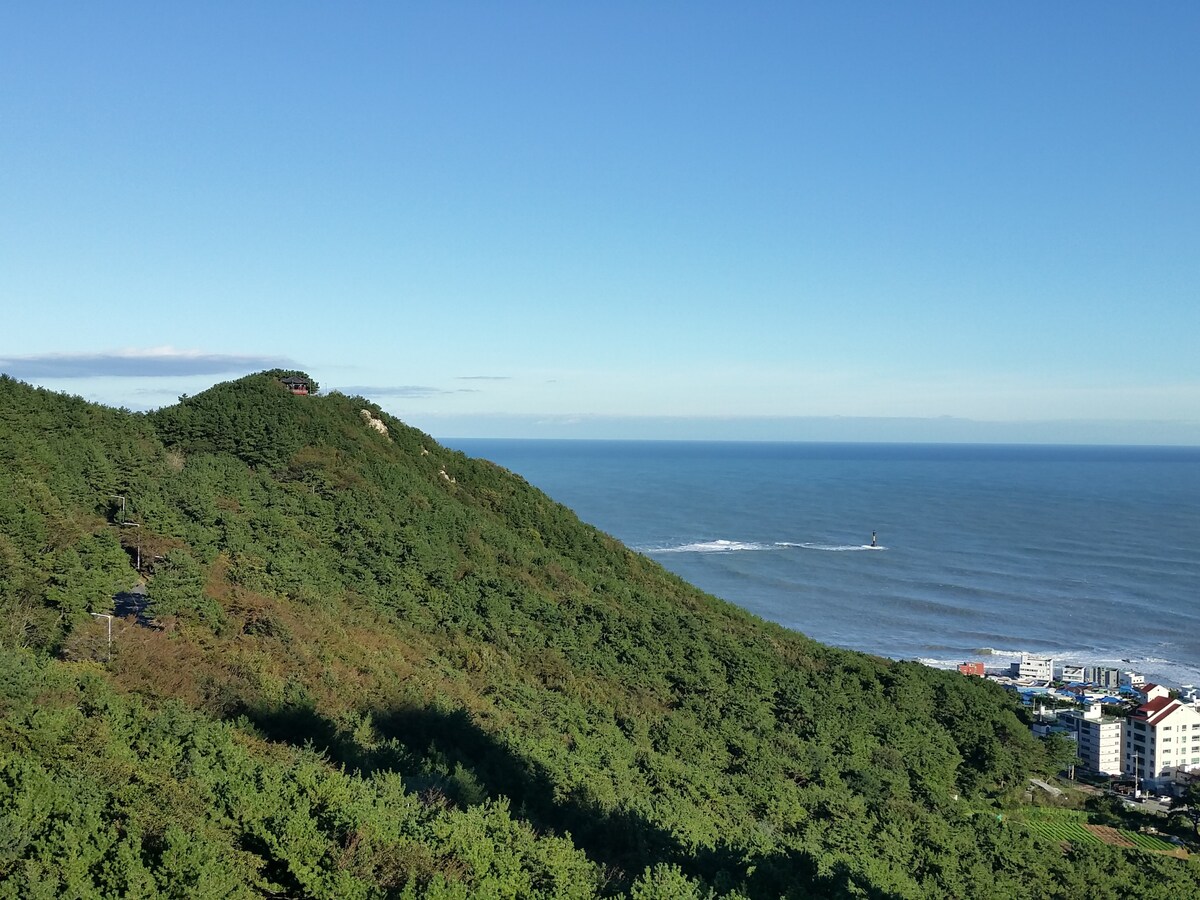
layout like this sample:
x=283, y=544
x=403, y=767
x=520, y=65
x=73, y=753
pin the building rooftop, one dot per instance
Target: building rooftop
x=1156, y=710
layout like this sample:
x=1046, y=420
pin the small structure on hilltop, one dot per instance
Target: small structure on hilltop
x=294, y=384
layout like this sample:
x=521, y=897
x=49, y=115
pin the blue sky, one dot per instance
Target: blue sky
x=869, y=221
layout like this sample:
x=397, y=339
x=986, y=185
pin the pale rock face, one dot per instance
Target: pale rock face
x=375, y=423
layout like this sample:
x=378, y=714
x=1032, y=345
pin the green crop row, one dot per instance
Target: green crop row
x=1149, y=842
x=1064, y=831
x=1074, y=832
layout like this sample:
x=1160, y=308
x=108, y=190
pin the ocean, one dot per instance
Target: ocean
x=1088, y=554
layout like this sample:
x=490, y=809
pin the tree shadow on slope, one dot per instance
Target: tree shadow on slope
x=794, y=875
x=476, y=759
x=444, y=756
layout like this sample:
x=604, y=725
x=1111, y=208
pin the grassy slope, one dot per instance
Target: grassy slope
x=430, y=624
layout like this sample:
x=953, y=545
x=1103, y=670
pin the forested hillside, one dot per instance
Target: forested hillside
x=369, y=666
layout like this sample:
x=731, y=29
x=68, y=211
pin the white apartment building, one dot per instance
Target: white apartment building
x=1099, y=739
x=1162, y=741
x=1036, y=668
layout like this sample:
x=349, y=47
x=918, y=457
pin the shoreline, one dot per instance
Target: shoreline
x=1156, y=670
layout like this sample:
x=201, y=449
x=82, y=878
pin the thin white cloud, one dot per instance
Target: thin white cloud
x=406, y=391
x=153, y=362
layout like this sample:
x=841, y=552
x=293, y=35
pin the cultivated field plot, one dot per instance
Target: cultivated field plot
x=1069, y=827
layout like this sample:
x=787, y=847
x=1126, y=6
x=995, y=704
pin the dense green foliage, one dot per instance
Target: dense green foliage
x=1187, y=807
x=376, y=667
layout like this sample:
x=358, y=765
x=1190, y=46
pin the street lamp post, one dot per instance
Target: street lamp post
x=124, y=523
x=108, y=616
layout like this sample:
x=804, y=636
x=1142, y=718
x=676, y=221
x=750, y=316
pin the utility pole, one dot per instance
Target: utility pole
x=108, y=616
x=120, y=497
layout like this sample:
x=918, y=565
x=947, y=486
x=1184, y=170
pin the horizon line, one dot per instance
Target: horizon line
x=833, y=442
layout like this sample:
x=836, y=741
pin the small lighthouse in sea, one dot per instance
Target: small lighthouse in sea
x=873, y=540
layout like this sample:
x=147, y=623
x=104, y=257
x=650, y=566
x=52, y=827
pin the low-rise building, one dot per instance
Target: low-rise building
x=1106, y=677
x=1071, y=672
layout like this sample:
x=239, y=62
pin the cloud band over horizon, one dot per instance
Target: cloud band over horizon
x=150, y=363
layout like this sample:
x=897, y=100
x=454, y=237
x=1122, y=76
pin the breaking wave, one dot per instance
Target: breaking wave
x=711, y=547
x=724, y=546
x=938, y=663
x=992, y=651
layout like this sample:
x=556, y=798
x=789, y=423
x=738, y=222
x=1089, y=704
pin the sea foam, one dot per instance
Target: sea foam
x=720, y=546
x=836, y=548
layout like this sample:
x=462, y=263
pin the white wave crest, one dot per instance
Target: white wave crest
x=938, y=663
x=720, y=546
x=1170, y=672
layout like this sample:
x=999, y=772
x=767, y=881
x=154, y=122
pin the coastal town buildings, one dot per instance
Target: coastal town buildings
x=1122, y=726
